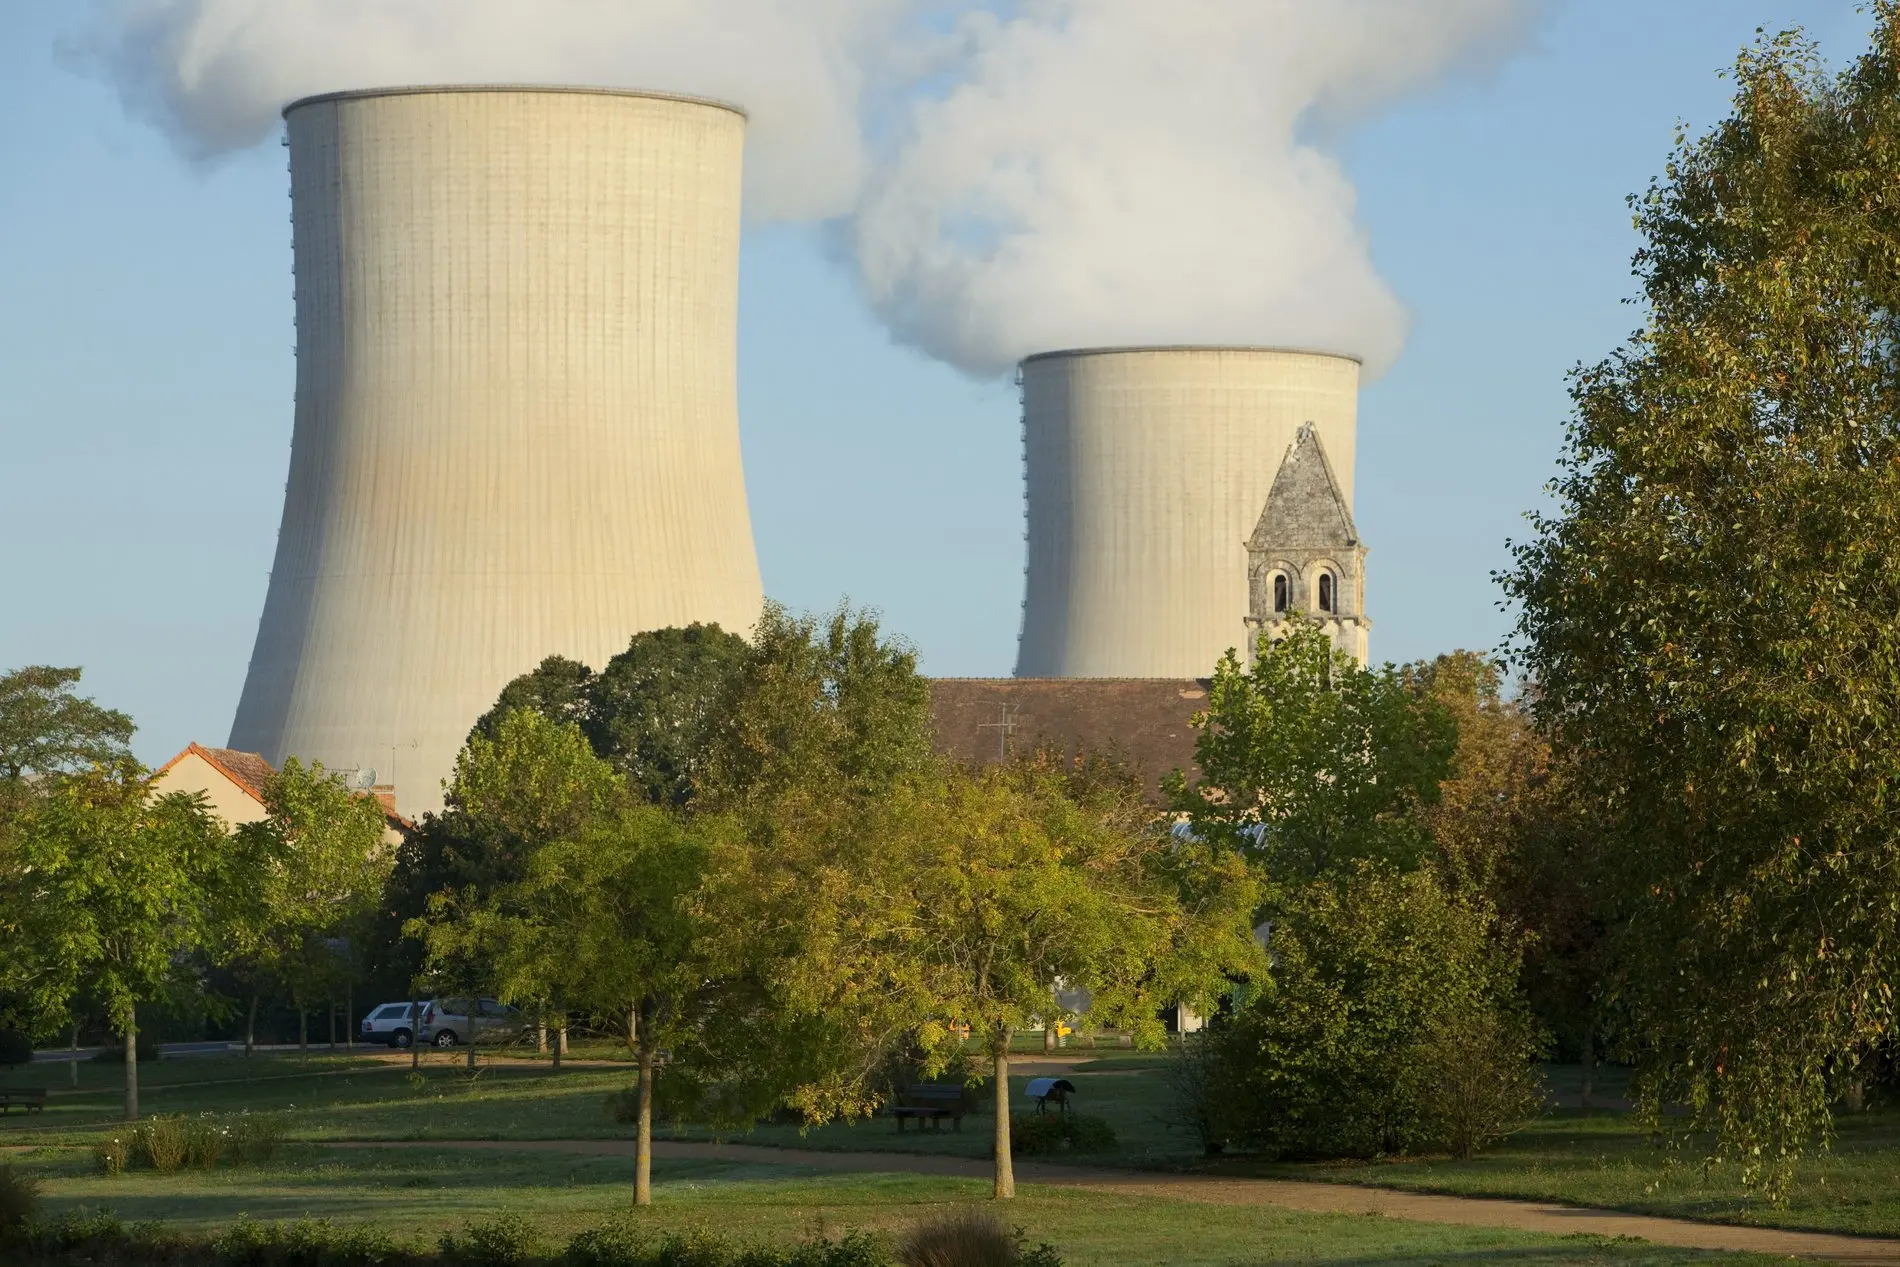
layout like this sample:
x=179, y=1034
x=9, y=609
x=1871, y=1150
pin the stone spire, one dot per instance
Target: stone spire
x=1305, y=557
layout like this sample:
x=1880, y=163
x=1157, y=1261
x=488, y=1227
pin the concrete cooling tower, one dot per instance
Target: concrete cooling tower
x=516, y=422
x=1147, y=471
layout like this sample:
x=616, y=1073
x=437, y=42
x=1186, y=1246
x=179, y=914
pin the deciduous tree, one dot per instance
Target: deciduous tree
x=972, y=894
x=1709, y=608
x=108, y=892
x=45, y=728
x=1309, y=762
x=302, y=885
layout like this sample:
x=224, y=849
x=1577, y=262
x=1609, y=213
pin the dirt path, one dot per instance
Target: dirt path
x=1321, y=1198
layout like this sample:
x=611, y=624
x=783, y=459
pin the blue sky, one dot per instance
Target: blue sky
x=146, y=367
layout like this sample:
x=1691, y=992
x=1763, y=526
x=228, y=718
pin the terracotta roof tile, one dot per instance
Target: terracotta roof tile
x=246, y=769
x=1145, y=720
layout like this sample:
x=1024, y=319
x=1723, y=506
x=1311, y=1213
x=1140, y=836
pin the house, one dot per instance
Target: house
x=232, y=784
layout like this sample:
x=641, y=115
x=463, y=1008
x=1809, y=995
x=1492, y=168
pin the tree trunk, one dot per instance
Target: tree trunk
x=474, y=1028
x=1856, y=1095
x=131, y=1062
x=1005, y=1186
x=349, y=1016
x=329, y=1011
x=250, y=1028
x=72, y=1066
x=1049, y=1035
x=303, y=1032
x=1586, y=1091
x=541, y=1037
x=633, y=1029
x=415, y=1029
x=643, y=1136
x=560, y=1044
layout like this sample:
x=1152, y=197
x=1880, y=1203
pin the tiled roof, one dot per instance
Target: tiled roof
x=1144, y=720
x=249, y=771
x=246, y=769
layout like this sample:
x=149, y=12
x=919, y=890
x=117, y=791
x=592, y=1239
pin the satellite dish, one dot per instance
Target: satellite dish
x=365, y=778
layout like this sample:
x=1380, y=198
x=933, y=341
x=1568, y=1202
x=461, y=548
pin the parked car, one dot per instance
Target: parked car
x=446, y=1022
x=391, y=1023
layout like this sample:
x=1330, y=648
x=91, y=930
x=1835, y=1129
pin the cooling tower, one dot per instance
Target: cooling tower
x=516, y=422
x=1147, y=469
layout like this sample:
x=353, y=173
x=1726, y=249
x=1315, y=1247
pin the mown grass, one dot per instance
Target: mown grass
x=419, y=1193
x=1598, y=1158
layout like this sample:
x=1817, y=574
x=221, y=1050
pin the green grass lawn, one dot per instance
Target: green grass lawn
x=1589, y=1158
x=421, y=1193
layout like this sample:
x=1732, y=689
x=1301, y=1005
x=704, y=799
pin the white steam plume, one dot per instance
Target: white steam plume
x=215, y=73
x=1064, y=173
x=1128, y=171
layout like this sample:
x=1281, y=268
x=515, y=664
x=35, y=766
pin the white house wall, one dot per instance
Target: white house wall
x=516, y=420
x=191, y=774
x=1146, y=471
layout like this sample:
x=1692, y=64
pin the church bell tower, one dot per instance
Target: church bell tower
x=1305, y=559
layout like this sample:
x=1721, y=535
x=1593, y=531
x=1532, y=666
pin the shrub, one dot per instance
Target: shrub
x=98, y=1232
x=857, y=1249
x=112, y=1153
x=1039, y=1134
x=15, y=1048
x=161, y=1142
x=623, y=1106
x=624, y=1243
x=206, y=1138
x=19, y=1197
x=620, y=1243
x=971, y=1238
x=305, y=1242
x=506, y=1241
x=256, y=1137
x=1195, y=1092
x=1368, y=963
x=1475, y=1079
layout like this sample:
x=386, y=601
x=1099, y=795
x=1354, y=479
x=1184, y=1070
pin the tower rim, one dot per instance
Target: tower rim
x=1132, y=348
x=585, y=90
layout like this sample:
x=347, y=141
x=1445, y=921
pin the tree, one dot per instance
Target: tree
x=1508, y=829
x=824, y=706
x=651, y=713
x=1309, y=762
x=305, y=880
x=560, y=689
x=535, y=782
x=109, y=890
x=1708, y=609
x=607, y=921
x=1391, y=1008
x=979, y=891
x=46, y=729
x=658, y=704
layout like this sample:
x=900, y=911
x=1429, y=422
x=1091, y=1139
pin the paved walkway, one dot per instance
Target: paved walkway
x=1291, y=1194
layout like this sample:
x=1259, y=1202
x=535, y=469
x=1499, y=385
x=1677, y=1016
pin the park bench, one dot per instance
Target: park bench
x=932, y=1102
x=30, y=1099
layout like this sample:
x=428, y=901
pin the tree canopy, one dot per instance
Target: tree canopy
x=46, y=728
x=1708, y=610
x=107, y=897
x=1309, y=761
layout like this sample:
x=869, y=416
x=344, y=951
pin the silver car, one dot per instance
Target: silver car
x=391, y=1023
x=446, y=1022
